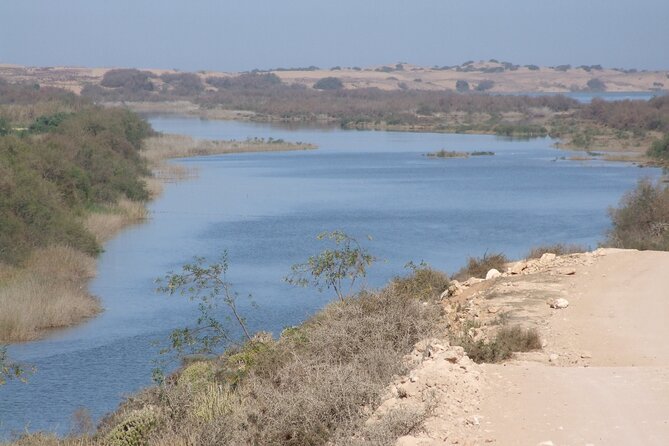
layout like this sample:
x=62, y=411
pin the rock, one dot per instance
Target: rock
x=493, y=310
x=472, y=281
x=586, y=355
x=559, y=303
x=492, y=274
x=546, y=443
x=547, y=257
x=566, y=271
x=454, y=289
x=553, y=357
x=518, y=267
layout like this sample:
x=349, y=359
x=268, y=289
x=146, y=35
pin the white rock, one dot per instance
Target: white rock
x=553, y=357
x=493, y=273
x=546, y=443
x=559, y=303
x=547, y=257
x=518, y=267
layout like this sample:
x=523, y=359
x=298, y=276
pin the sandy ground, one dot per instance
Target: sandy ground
x=610, y=382
x=602, y=377
x=545, y=79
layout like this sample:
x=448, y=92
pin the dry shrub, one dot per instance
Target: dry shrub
x=558, y=249
x=479, y=266
x=507, y=341
x=313, y=385
x=48, y=293
x=397, y=423
x=425, y=284
x=642, y=219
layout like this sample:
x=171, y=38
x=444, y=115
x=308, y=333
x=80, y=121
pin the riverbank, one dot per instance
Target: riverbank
x=626, y=143
x=48, y=291
x=345, y=376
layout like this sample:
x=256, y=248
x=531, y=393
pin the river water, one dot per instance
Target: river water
x=266, y=208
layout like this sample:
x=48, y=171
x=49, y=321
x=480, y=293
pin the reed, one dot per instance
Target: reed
x=51, y=291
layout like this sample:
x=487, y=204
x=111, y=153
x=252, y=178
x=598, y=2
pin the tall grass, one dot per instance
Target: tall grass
x=48, y=292
x=106, y=221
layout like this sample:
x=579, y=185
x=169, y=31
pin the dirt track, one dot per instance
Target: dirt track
x=602, y=377
x=609, y=384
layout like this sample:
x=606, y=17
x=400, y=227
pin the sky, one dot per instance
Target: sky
x=246, y=34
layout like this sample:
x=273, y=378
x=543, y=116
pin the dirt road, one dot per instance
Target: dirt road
x=603, y=377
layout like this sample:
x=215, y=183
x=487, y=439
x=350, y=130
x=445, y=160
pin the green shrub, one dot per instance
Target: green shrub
x=641, y=221
x=134, y=429
x=479, y=266
x=82, y=159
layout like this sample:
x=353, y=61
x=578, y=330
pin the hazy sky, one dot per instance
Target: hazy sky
x=246, y=34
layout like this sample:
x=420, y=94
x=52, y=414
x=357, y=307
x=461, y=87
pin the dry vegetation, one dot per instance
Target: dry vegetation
x=167, y=146
x=51, y=287
x=479, y=266
x=316, y=384
x=641, y=221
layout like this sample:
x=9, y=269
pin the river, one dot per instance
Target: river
x=265, y=209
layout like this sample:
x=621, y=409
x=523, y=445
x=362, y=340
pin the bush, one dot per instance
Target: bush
x=130, y=79
x=596, y=85
x=462, y=86
x=84, y=159
x=485, y=85
x=479, y=266
x=424, y=283
x=641, y=221
x=660, y=148
x=558, y=249
x=329, y=83
x=507, y=341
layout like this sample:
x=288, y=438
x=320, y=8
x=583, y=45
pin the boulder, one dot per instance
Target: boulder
x=547, y=257
x=492, y=274
x=559, y=303
x=518, y=267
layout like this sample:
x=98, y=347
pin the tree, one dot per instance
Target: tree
x=462, y=86
x=596, y=85
x=329, y=83
x=207, y=285
x=660, y=148
x=333, y=268
x=485, y=85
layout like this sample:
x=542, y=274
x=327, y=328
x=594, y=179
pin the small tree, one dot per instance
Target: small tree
x=329, y=83
x=462, y=86
x=596, y=85
x=206, y=284
x=485, y=85
x=332, y=268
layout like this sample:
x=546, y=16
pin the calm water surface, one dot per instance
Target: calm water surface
x=265, y=209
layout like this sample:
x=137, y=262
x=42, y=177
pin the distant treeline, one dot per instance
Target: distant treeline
x=266, y=94
x=55, y=167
